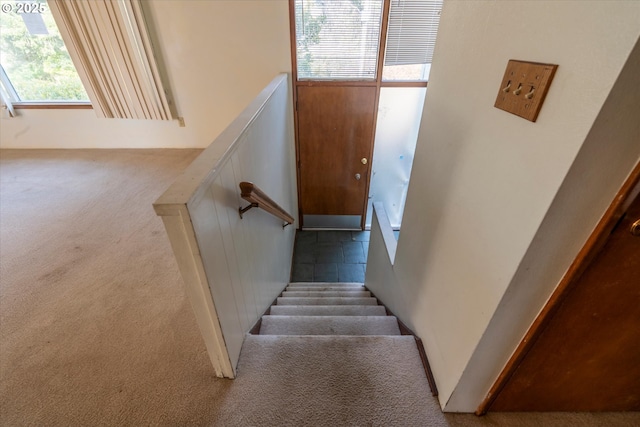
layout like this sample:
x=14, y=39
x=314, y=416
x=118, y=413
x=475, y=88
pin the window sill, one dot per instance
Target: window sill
x=52, y=105
x=403, y=83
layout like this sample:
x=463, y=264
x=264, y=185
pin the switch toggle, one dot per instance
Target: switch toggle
x=530, y=94
x=517, y=91
x=532, y=81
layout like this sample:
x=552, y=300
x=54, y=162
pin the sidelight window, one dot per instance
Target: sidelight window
x=411, y=38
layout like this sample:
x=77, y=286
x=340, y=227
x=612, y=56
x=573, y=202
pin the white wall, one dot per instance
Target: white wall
x=609, y=153
x=480, y=220
x=218, y=57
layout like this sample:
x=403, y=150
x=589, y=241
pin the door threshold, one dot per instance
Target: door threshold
x=332, y=222
x=333, y=229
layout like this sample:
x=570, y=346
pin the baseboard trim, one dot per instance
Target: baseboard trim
x=404, y=330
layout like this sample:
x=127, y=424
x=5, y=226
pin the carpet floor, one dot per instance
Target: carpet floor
x=95, y=327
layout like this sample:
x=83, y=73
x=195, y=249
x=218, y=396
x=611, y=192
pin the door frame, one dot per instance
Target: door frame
x=594, y=244
x=378, y=83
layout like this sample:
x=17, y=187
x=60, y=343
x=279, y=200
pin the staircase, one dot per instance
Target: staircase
x=344, y=309
x=332, y=356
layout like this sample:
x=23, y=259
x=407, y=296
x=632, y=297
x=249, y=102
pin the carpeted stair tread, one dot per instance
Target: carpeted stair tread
x=326, y=301
x=329, y=325
x=326, y=294
x=325, y=288
x=335, y=380
x=328, y=310
x=334, y=284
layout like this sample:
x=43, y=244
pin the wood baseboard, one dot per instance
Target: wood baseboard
x=404, y=330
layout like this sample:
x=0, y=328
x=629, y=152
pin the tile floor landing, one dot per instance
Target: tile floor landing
x=330, y=256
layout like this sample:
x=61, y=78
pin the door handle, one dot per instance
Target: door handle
x=357, y=177
x=364, y=161
x=635, y=228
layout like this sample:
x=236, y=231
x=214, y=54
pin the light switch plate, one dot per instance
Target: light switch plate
x=524, y=87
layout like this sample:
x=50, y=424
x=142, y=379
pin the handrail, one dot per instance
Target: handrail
x=258, y=199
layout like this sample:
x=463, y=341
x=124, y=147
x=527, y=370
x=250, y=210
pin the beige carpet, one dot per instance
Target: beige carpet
x=329, y=325
x=348, y=381
x=357, y=370
x=95, y=328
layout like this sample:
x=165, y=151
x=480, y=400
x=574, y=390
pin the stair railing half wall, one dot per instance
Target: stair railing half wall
x=234, y=268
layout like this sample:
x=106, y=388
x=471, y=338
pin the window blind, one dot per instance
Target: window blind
x=337, y=39
x=110, y=46
x=411, y=36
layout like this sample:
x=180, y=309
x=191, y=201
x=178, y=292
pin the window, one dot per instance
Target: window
x=337, y=39
x=411, y=37
x=107, y=41
x=36, y=66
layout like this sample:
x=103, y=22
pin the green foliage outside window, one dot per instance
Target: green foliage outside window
x=38, y=66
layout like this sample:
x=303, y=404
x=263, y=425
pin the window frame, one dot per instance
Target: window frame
x=295, y=46
x=382, y=48
x=52, y=105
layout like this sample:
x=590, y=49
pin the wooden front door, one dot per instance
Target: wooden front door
x=336, y=54
x=335, y=134
x=340, y=63
x=587, y=358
